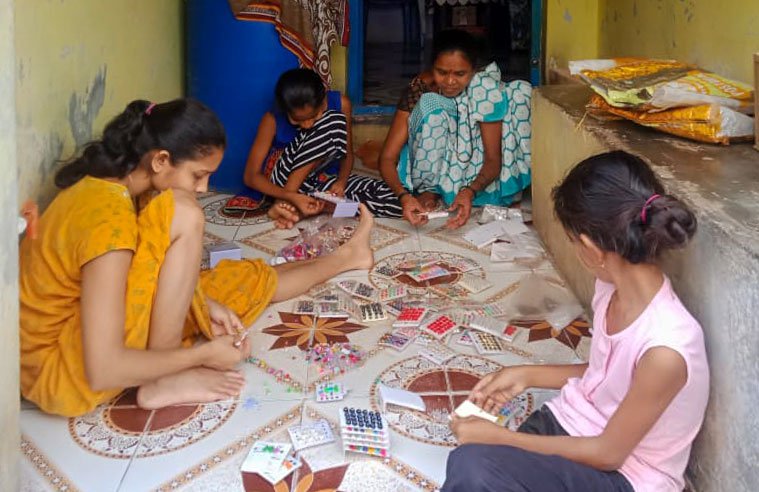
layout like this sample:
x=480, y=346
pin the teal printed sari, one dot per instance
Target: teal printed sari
x=445, y=150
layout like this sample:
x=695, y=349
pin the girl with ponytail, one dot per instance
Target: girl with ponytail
x=625, y=420
x=111, y=293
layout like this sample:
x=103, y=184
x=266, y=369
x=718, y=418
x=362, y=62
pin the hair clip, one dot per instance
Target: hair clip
x=150, y=109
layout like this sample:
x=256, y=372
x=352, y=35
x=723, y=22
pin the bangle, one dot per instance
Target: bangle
x=467, y=187
x=403, y=193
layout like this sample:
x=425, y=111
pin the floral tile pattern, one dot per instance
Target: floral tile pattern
x=120, y=447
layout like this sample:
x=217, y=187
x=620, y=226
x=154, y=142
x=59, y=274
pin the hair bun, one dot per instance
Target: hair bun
x=670, y=223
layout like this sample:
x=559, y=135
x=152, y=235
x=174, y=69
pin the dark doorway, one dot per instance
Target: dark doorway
x=399, y=34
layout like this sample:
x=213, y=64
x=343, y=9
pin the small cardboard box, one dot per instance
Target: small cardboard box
x=223, y=251
x=756, y=101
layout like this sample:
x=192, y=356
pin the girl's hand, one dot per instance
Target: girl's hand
x=221, y=353
x=493, y=391
x=463, y=204
x=224, y=321
x=412, y=210
x=474, y=430
x=307, y=205
x=337, y=188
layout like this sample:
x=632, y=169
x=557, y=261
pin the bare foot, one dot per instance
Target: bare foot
x=357, y=251
x=429, y=200
x=197, y=385
x=284, y=215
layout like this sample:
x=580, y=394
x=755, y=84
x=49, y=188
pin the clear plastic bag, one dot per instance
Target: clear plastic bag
x=318, y=237
x=541, y=299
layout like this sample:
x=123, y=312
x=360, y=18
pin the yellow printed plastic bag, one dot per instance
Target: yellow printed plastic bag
x=708, y=123
x=655, y=85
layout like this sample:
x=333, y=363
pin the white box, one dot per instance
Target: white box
x=223, y=251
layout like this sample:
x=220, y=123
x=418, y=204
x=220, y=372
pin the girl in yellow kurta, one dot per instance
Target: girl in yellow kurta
x=112, y=297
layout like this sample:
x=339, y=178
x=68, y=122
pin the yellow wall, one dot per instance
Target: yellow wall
x=571, y=30
x=9, y=366
x=716, y=35
x=339, y=67
x=79, y=62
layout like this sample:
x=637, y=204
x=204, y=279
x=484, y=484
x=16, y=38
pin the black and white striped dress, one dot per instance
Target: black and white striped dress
x=325, y=142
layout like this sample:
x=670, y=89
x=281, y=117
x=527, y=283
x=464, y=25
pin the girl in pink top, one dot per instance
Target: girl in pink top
x=626, y=420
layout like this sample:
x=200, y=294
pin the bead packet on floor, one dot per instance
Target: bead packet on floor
x=410, y=316
x=329, y=309
x=494, y=327
x=437, y=353
x=485, y=343
x=373, y=311
x=464, y=339
x=391, y=293
x=387, y=271
x=451, y=291
x=309, y=435
x=428, y=273
x=394, y=340
x=440, y=326
x=304, y=307
x=329, y=391
x=364, y=431
x=473, y=283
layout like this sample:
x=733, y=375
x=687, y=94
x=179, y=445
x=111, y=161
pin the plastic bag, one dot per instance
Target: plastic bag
x=493, y=212
x=706, y=123
x=524, y=249
x=540, y=299
x=318, y=237
x=656, y=85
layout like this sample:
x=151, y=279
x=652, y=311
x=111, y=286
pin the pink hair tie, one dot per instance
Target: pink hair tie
x=150, y=109
x=645, y=207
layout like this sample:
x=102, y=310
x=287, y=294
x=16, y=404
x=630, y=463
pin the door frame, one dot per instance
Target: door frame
x=355, y=71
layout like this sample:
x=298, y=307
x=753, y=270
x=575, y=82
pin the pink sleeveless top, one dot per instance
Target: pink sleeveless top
x=585, y=405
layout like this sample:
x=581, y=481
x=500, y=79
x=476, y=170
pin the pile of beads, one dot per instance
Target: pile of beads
x=336, y=358
x=364, y=431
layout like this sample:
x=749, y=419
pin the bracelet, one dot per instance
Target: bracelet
x=403, y=193
x=467, y=187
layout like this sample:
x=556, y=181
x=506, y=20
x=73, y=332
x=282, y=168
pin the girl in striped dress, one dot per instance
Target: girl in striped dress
x=305, y=146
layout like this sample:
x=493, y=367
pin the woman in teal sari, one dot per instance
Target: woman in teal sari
x=458, y=135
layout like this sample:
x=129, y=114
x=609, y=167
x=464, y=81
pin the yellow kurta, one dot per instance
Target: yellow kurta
x=85, y=221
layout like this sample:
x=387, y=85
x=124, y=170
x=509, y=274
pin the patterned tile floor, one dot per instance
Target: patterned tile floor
x=119, y=447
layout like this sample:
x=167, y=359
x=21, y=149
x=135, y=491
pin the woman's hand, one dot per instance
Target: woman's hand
x=463, y=205
x=307, y=205
x=337, y=188
x=222, y=354
x=413, y=210
x=493, y=391
x=224, y=321
x=474, y=430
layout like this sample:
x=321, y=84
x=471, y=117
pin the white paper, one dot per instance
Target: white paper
x=402, y=398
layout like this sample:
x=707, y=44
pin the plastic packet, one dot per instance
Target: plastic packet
x=705, y=123
x=318, y=237
x=492, y=212
x=540, y=299
x=511, y=247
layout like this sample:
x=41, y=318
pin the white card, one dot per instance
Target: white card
x=266, y=457
x=402, y=398
x=469, y=409
x=288, y=466
x=308, y=435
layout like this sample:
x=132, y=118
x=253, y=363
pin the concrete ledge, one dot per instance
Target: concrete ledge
x=716, y=276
